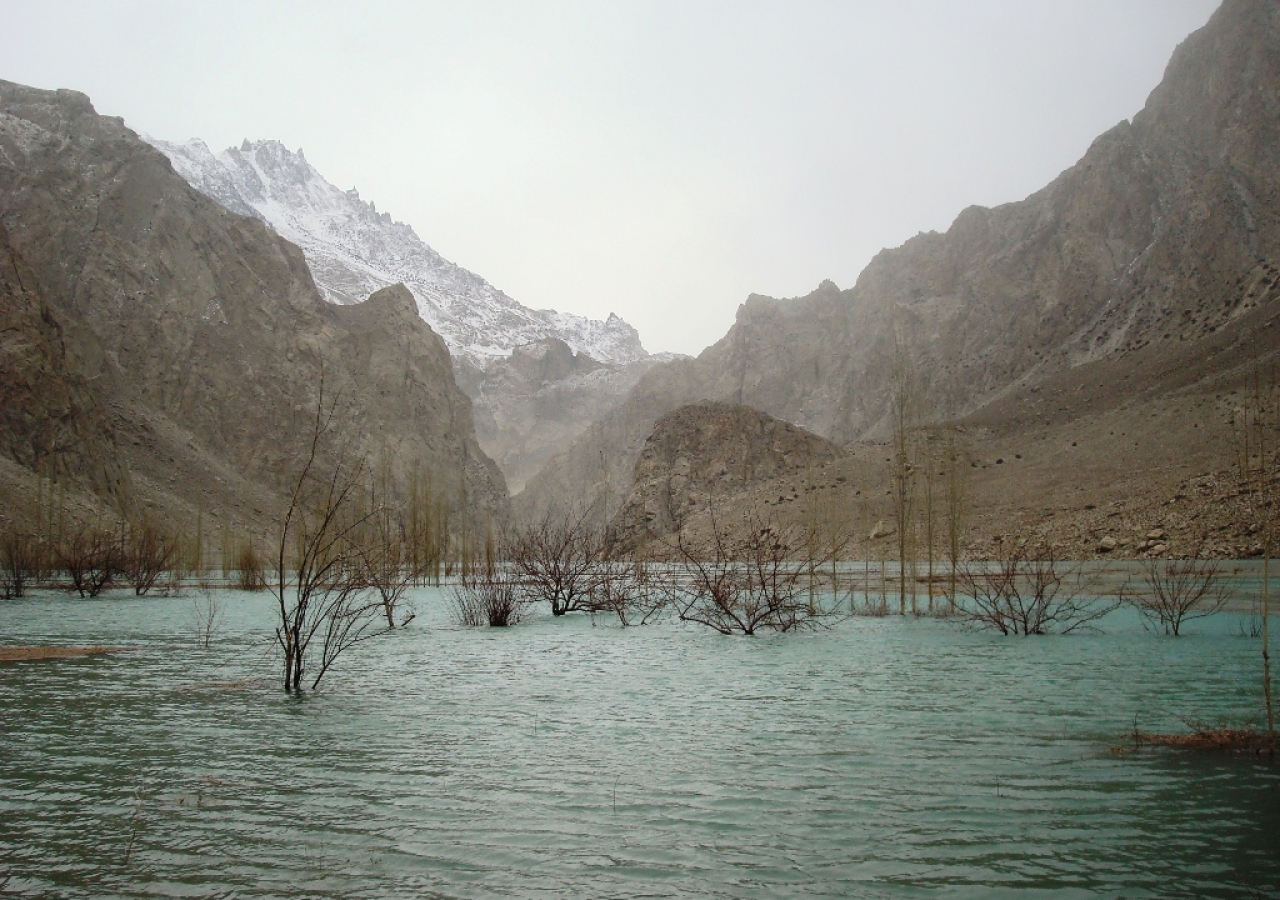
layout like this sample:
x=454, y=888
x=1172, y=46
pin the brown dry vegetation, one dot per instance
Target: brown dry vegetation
x=1205, y=738
x=24, y=654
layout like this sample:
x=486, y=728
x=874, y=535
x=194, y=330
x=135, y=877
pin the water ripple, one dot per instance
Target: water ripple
x=566, y=758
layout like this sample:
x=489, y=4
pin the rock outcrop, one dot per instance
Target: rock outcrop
x=52, y=418
x=706, y=453
x=203, y=335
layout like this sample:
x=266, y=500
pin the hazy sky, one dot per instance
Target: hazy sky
x=661, y=160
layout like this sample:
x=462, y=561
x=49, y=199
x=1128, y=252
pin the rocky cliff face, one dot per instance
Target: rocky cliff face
x=52, y=418
x=353, y=250
x=1165, y=234
x=536, y=401
x=205, y=336
x=706, y=453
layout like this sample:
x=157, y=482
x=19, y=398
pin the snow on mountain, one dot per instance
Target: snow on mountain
x=353, y=250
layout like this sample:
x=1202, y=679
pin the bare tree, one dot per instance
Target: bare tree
x=559, y=558
x=327, y=605
x=91, y=557
x=903, y=413
x=148, y=553
x=206, y=615
x=624, y=589
x=953, y=482
x=1177, y=591
x=384, y=555
x=1257, y=433
x=930, y=474
x=757, y=583
x=1027, y=593
x=20, y=562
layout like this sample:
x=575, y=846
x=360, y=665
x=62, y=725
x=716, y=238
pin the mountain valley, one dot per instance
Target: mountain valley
x=1100, y=339
x=1099, y=355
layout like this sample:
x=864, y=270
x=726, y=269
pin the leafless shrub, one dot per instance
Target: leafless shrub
x=559, y=559
x=625, y=589
x=206, y=614
x=487, y=598
x=757, y=583
x=147, y=554
x=91, y=557
x=250, y=568
x=20, y=562
x=1027, y=592
x=1177, y=591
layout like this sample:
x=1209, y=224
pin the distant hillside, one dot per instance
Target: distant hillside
x=353, y=250
x=1152, y=261
x=167, y=355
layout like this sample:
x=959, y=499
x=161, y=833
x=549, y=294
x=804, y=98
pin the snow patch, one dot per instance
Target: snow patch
x=353, y=250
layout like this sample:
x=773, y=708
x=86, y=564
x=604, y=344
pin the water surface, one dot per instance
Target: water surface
x=893, y=757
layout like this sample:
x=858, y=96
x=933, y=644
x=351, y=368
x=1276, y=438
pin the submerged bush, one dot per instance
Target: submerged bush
x=487, y=598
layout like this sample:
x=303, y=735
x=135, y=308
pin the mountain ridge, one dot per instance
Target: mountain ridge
x=354, y=250
x=195, y=342
x=1164, y=234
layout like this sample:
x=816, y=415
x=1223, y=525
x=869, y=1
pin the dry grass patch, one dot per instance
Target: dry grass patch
x=1206, y=737
x=22, y=654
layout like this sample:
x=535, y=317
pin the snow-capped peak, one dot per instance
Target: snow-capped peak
x=353, y=250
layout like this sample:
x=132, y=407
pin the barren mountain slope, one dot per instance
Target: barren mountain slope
x=1160, y=243
x=699, y=454
x=353, y=250
x=212, y=341
x=52, y=419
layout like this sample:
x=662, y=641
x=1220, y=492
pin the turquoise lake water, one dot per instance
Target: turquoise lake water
x=891, y=757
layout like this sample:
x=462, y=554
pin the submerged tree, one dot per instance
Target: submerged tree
x=20, y=562
x=250, y=568
x=627, y=590
x=488, y=596
x=321, y=590
x=1027, y=592
x=903, y=416
x=1257, y=433
x=1177, y=591
x=953, y=491
x=148, y=554
x=92, y=557
x=559, y=559
x=759, y=582
x=384, y=555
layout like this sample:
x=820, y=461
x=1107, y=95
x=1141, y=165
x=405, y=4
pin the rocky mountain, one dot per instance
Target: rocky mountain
x=1152, y=261
x=52, y=419
x=169, y=355
x=703, y=455
x=353, y=250
x=530, y=405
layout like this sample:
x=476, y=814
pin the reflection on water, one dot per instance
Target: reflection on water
x=884, y=757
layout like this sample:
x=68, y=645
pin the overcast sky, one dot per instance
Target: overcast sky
x=661, y=160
